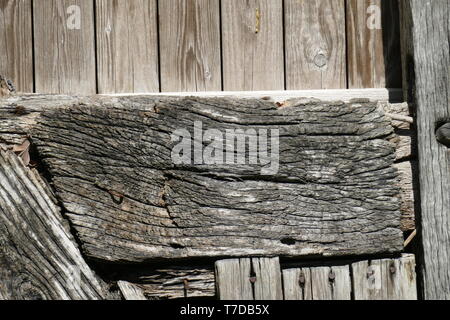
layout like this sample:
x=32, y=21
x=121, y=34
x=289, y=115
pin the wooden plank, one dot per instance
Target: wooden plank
x=388, y=279
x=64, y=57
x=373, y=44
x=127, y=46
x=268, y=284
x=16, y=43
x=131, y=291
x=428, y=72
x=252, y=40
x=386, y=95
x=190, y=45
x=39, y=258
x=297, y=284
x=233, y=279
x=315, y=44
x=331, y=283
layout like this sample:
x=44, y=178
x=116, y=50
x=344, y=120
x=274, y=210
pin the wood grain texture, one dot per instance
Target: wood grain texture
x=39, y=258
x=20, y=114
x=429, y=86
x=297, y=284
x=64, y=58
x=388, y=279
x=16, y=43
x=252, y=41
x=315, y=44
x=233, y=279
x=373, y=53
x=190, y=45
x=131, y=291
x=331, y=283
x=127, y=46
x=110, y=159
x=267, y=274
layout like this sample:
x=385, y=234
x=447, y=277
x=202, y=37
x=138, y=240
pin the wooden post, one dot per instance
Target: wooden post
x=427, y=69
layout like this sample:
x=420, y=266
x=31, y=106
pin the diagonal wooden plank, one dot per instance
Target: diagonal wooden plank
x=315, y=44
x=16, y=43
x=127, y=46
x=190, y=45
x=252, y=40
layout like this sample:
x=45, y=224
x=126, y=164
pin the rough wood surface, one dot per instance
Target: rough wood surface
x=131, y=291
x=38, y=255
x=373, y=53
x=249, y=279
x=334, y=194
x=297, y=284
x=388, y=279
x=315, y=44
x=127, y=46
x=428, y=68
x=16, y=43
x=252, y=42
x=190, y=45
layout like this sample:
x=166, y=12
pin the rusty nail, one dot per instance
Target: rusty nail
x=370, y=273
x=301, y=280
x=252, y=279
x=186, y=284
x=332, y=276
x=392, y=268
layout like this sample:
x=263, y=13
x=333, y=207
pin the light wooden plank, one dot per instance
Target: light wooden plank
x=331, y=283
x=233, y=279
x=297, y=284
x=384, y=95
x=315, y=44
x=64, y=57
x=131, y=291
x=388, y=279
x=268, y=284
x=127, y=46
x=39, y=258
x=428, y=75
x=16, y=43
x=252, y=40
x=190, y=45
x=373, y=44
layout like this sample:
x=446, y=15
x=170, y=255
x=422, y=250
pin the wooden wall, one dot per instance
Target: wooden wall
x=137, y=46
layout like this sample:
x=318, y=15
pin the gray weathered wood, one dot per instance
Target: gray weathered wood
x=252, y=42
x=297, y=284
x=427, y=55
x=131, y=291
x=133, y=207
x=39, y=258
x=233, y=279
x=64, y=58
x=190, y=45
x=268, y=283
x=127, y=46
x=16, y=43
x=331, y=283
x=315, y=44
x=388, y=279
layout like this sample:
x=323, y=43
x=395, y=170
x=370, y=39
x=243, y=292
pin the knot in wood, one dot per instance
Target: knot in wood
x=443, y=134
x=320, y=60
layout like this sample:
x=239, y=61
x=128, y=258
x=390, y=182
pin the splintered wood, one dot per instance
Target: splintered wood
x=388, y=279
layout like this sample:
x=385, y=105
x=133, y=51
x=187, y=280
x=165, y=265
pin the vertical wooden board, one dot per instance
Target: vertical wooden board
x=373, y=44
x=399, y=278
x=315, y=44
x=16, y=43
x=297, y=284
x=367, y=282
x=127, y=46
x=190, y=45
x=64, y=57
x=233, y=279
x=252, y=42
x=268, y=285
x=331, y=283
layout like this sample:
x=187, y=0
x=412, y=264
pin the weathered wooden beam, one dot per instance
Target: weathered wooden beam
x=110, y=160
x=427, y=68
x=131, y=291
x=39, y=258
